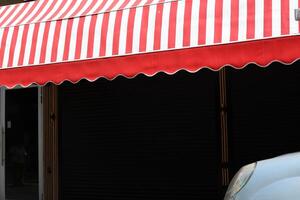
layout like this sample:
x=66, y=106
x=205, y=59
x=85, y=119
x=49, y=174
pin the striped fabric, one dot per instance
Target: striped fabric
x=45, y=32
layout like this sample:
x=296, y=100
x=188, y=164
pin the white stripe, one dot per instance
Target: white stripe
x=45, y=9
x=29, y=40
x=35, y=10
x=276, y=18
x=195, y=22
x=12, y=16
x=18, y=46
x=85, y=37
x=151, y=28
x=8, y=46
x=83, y=9
x=226, y=21
x=106, y=6
x=259, y=19
x=39, y=43
x=294, y=24
x=62, y=38
x=50, y=41
x=95, y=7
x=73, y=39
x=210, y=21
x=1, y=34
x=2, y=9
x=242, y=35
x=110, y=33
x=137, y=29
x=6, y=14
x=124, y=30
x=118, y=5
x=20, y=17
x=73, y=9
x=180, y=24
x=97, y=37
x=165, y=26
x=65, y=7
x=52, y=11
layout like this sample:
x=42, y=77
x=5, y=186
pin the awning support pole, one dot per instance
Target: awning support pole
x=224, y=128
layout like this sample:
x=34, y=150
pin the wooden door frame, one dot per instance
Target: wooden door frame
x=51, y=157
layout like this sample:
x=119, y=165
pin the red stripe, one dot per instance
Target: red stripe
x=268, y=18
x=68, y=39
x=91, y=36
x=13, y=46
x=117, y=29
x=250, y=19
x=67, y=10
x=218, y=21
x=116, y=38
x=79, y=37
x=3, y=44
x=100, y=7
x=44, y=42
x=40, y=9
x=234, y=24
x=187, y=23
x=193, y=59
x=48, y=10
x=55, y=41
x=4, y=11
x=90, y=7
x=124, y=4
x=158, y=24
x=112, y=5
x=129, y=39
x=28, y=12
x=23, y=44
x=33, y=46
x=78, y=9
x=62, y=4
x=21, y=11
x=144, y=29
x=172, y=24
x=285, y=17
x=136, y=3
x=104, y=34
x=9, y=14
x=202, y=22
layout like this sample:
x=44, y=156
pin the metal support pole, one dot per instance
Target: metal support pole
x=224, y=128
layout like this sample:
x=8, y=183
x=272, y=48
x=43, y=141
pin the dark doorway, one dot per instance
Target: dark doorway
x=22, y=166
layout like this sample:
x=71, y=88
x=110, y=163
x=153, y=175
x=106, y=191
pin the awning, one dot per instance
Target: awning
x=53, y=41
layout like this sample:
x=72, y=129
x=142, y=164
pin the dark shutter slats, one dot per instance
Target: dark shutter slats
x=145, y=138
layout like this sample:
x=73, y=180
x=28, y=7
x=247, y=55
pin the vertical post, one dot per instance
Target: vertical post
x=2, y=143
x=224, y=128
x=41, y=143
x=50, y=142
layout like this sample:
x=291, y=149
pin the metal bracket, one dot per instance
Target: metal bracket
x=297, y=14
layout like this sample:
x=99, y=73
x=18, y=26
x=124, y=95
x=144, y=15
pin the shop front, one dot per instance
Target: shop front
x=142, y=99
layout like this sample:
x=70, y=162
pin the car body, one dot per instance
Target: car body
x=273, y=179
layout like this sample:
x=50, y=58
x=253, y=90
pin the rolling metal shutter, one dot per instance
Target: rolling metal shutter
x=264, y=113
x=144, y=138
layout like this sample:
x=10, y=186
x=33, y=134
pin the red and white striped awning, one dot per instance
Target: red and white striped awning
x=53, y=41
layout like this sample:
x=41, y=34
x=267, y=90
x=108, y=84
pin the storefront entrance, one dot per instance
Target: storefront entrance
x=21, y=145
